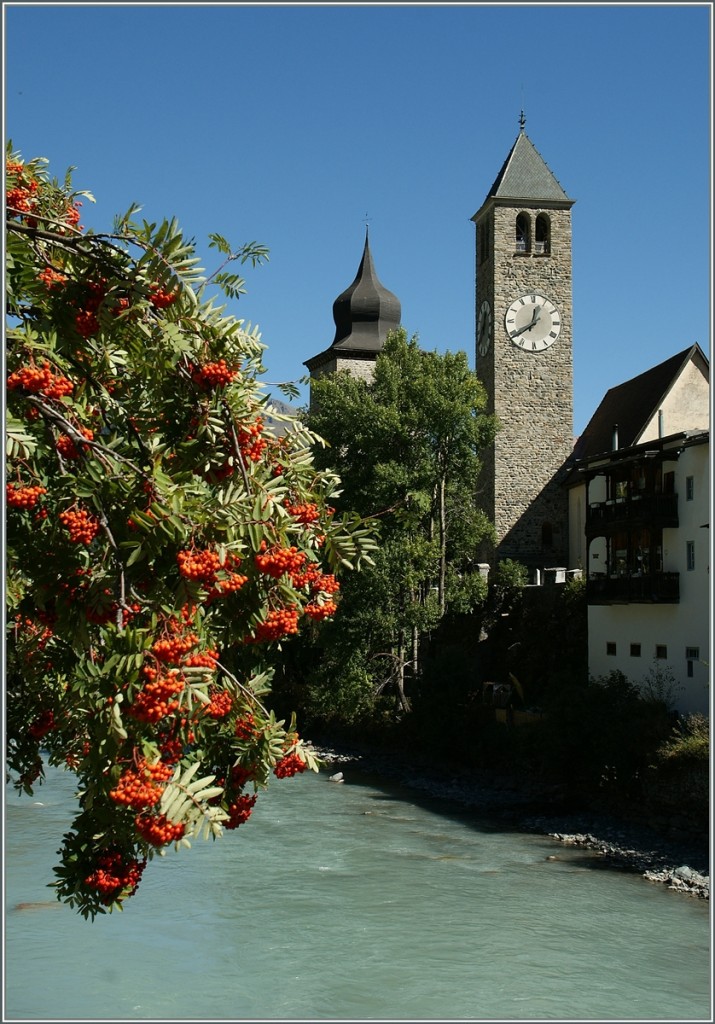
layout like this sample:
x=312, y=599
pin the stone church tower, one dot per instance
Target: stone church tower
x=364, y=314
x=525, y=356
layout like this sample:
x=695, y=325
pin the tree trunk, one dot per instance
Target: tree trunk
x=400, y=673
x=442, y=545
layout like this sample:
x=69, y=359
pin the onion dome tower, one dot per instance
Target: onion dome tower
x=364, y=314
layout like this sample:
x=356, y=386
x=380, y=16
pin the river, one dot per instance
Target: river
x=359, y=901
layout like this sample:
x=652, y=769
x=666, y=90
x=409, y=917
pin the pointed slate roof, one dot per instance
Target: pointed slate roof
x=631, y=406
x=365, y=311
x=526, y=176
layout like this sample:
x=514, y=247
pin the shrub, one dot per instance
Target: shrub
x=689, y=743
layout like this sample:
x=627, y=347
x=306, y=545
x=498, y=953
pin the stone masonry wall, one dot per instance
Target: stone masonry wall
x=531, y=393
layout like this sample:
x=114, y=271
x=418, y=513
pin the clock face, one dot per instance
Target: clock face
x=484, y=328
x=533, y=322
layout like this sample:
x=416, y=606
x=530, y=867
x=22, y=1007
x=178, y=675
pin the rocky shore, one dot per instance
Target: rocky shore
x=680, y=862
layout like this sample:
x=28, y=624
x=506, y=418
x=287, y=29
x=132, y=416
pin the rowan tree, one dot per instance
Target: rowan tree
x=162, y=542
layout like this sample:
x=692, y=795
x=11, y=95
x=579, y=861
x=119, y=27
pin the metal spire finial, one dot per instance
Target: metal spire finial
x=522, y=120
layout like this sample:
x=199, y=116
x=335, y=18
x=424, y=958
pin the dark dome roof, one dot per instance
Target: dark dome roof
x=366, y=311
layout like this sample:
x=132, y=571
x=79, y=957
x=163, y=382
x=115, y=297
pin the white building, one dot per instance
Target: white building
x=639, y=516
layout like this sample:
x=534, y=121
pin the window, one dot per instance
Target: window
x=661, y=651
x=523, y=233
x=635, y=650
x=484, y=241
x=689, y=488
x=690, y=554
x=610, y=647
x=692, y=654
x=542, y=241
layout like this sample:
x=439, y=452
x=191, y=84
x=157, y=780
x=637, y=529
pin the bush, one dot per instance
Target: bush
x=601, y=737
x=688, y=745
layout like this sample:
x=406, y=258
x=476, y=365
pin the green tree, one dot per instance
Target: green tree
x=162, y=544
x=406, y=446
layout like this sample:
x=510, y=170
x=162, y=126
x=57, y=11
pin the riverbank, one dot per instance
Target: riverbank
x=681, y=863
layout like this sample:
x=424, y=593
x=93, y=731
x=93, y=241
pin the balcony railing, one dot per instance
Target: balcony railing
x=655, y=510
x=654, y=588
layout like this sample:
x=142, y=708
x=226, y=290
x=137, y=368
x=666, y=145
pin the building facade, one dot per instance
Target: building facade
x=639, y=500
x=524, y=356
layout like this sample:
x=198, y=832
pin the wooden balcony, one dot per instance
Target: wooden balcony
x=656, y=511
x=655, y=588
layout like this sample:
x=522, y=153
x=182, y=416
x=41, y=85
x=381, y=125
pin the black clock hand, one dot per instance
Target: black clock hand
x=528, y=327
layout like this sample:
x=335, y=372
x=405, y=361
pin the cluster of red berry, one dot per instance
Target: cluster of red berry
x=18, y=496
x=115, y=879
x=72, y=215
x=138, y=788
x=250, y=441
x=86, y=321
x=318, y=582
x=278, y=623
x=305, y=513
x=154, y=701
x=320, y=611
x=199, y=565
x=52, y=278
x=202, y=659
x=171, y=747
x=157, y=829
x=160, y=298
x=22, y=196
x=172, y=649
x=40, y=380
x=233, y=582
x=239, y=811
x=67, y=447
x=291, y=764
x=220, y=704
x=240, y=775
x=82, y=526
x=204, y=565
x=245, y=728
x=44, y=723
x=277, y=561
x=213, y=375
x=39, y=636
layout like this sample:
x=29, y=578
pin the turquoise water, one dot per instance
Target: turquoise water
x=350, y=902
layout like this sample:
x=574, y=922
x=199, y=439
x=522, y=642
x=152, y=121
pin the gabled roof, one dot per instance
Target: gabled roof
x=525, y=175
x=631, y=406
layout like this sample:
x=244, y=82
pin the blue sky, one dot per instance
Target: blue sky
x=289, y=123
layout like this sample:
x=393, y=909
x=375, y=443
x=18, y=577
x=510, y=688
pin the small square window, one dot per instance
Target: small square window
x=635, y=650
x=661, y=651
x=610, y=647
x=689, y=488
